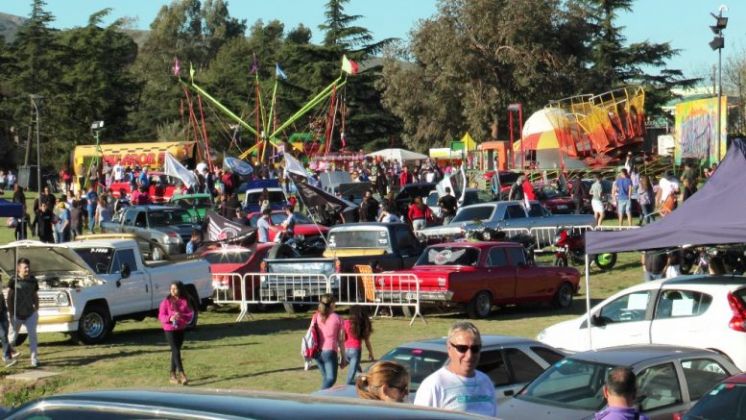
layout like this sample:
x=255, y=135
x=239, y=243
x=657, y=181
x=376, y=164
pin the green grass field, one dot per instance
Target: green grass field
x=261, y=353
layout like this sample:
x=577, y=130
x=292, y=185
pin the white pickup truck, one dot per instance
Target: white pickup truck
x=86, y=286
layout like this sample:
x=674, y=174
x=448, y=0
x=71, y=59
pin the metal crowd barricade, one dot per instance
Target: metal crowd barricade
x=365, y=289
x=237, y=289
x=378, y=289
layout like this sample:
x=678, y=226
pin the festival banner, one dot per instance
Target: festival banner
x=696, y=130
x=220, y=229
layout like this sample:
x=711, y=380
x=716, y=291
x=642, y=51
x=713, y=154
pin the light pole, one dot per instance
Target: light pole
x=35, y=98
x=717, y=43
x=96, y=127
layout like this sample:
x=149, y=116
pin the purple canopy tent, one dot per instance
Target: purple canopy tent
x=714, y=215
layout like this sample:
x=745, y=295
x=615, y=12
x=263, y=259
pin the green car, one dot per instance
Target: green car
x=195, y=204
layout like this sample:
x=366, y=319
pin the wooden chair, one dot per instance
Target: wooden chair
x=369, y=284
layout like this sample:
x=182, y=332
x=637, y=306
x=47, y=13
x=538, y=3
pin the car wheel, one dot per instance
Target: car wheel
x=605, y=261
x=156, y=254
x=480, y=306
x=95, y=324
x=407, y=311
x=563, y=296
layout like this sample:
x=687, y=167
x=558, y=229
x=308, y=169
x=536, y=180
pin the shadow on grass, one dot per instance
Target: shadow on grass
x=214, y=379
x=210, y=332
x=520, y=312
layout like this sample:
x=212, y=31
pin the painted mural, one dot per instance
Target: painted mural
x=696, y=130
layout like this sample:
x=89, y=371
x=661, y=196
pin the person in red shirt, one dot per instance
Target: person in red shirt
x=404, y=177
x=227, y=179
x=528, y=189
x=418, y=214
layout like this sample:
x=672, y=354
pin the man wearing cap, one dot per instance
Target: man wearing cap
x=459, y=385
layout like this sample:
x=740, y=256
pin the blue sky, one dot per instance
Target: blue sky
x=684, y=23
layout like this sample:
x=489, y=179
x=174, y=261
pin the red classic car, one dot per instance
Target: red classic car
x=305, y=228
x=161, y=188
x=482, y=274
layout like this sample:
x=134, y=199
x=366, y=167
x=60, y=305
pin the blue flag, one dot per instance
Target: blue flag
x=279, y=73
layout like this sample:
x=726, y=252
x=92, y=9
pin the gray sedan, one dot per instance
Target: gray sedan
x=510, y=362
x=669, y=380
x=506, y=215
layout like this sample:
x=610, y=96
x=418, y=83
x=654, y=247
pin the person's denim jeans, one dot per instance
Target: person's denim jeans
x=353, y=367
x=4, y=329
x=91, y=218
x=328, y=363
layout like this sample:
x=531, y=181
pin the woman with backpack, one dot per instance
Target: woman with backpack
x=357, y=328
x=175, y=314
x=330, y=342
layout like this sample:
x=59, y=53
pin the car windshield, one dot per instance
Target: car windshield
x=359, y=239
x=419, y=363
x=278, y=218
x=99, y=259
x=470, y=214
x=274, y=197
x=169, y=217
x=724, y=402
x=570, y=383
x=447, y=255
x=228, y=256
x=194, y=202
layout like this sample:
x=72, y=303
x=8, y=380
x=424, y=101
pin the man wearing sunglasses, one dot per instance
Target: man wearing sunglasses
x=459, y=385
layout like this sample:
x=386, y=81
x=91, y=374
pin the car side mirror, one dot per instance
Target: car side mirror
x=598, y=321
x=124, y=270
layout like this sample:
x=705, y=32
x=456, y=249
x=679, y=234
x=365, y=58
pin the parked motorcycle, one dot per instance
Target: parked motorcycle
x=569, y=247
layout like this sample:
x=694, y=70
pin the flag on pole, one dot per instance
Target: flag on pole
x=279, y=73
x=175, y=169
x=349, y=66
x=292, y=165
x=176, y=69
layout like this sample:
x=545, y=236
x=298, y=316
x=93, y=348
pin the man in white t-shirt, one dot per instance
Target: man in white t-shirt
x=118, y=172
x=459, y=386
x=668, y=185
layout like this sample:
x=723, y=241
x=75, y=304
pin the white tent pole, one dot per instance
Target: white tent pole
x=588, y=300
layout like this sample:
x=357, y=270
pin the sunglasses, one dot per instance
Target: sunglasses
x=403, y=389
x=462, y=348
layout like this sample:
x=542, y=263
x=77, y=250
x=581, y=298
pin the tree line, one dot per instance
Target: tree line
x=458, y=72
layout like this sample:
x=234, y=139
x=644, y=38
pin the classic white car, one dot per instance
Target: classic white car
x=86, y=286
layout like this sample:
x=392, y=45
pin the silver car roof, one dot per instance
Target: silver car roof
x=631, y=356
x=439, y=344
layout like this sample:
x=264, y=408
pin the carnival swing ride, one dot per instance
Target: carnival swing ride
x=267, y=128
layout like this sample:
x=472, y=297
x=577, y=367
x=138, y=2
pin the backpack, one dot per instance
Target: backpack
x=310, y=346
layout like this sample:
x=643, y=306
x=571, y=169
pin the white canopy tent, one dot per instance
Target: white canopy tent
x=401, y=155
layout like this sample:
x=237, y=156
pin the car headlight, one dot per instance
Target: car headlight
x=62, y=299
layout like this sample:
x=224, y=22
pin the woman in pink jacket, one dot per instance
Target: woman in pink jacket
x=175, y=314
